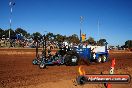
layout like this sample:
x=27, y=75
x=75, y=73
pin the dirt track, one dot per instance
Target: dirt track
x=16, y=70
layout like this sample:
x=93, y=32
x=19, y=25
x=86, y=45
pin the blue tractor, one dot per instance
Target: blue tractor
x=72, y=56
x=86, y=54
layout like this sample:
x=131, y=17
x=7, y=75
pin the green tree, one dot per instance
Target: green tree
x=1, y=33
x=59, y=38
x=50, y=36
x=91, y=41
x=101, y=42
x=28, y=35
x=6, y=33
x=21, y=31
x=73, y=39
x=128, y=44
x=36, y=35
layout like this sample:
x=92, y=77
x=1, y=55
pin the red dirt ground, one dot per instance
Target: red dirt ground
x=17, y=71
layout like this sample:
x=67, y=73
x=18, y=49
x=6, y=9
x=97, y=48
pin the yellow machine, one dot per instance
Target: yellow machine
x=83, y=37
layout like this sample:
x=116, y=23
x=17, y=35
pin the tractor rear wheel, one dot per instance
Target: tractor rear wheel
x=99, y=59
x=104, y=58
x=71, y=59
x=67, y=60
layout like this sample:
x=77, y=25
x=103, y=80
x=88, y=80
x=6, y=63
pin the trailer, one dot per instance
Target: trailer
x=88, y=54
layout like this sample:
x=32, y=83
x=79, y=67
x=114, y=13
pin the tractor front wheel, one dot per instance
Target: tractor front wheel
x=42, y=66
x=35, y=61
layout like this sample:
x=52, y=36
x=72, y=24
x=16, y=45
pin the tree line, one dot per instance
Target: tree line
x=5, y=33
x=50, y=36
